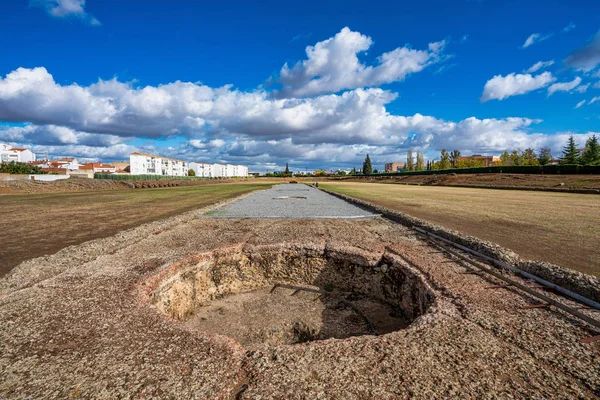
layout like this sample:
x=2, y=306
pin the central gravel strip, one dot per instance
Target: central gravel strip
x=290, y=201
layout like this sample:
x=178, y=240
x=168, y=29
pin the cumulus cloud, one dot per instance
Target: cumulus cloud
x=539, y=65
x=57, y=136
x=501, y=87
x=536, y=38
x=333, y=65
x=227, y=125
x=66, y=9
x=564, y=86
x=587, y=57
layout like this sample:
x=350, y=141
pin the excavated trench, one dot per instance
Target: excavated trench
x=285, y=295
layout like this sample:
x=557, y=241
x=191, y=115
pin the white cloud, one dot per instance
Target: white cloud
x=581, y=103
x=595, y=99
x=535, y=38
x=582, y=88
x=564, y=86
x=587, y=57
x=58, y=135
x=539, y=65
x=333, y=65
x=501, y=87
x=66, y=9
x=227, y=125
x=569, y=27
x=596, y=85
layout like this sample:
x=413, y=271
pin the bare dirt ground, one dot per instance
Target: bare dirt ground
x=39, y=224
x=80, y=324
x=260, y=317
x=499, y=181
x=560, y=228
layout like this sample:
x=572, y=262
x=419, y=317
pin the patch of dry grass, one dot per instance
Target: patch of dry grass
x=39, y=224
x=561, y=228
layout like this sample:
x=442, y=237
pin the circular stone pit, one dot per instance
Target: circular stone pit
x=276, y=295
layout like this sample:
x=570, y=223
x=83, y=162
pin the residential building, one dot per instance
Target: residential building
x=219, y=170
x=17, y=154
x=70, y=163
x=235, y=170
x=394, y=167
x=202, y=170
x=122, y=166
x=99, y=168
x=488, y=161
x=150, y=164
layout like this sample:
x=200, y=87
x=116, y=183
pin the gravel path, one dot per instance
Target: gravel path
x=290, y=201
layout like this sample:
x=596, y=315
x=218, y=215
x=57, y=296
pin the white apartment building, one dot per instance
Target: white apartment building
x=203, y=170
x=9, y=153
x=238, y=170
x=150, y=164
x=206, y=170
x=219, y=170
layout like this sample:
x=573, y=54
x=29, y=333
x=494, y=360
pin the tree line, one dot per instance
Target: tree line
x=14, y=167
x=571, y=155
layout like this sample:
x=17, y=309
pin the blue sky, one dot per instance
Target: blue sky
x=237, y=81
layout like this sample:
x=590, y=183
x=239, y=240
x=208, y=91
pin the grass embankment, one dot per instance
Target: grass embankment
x=39, y=224
x=560, y=228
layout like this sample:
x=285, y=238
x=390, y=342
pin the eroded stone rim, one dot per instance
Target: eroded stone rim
x=356, y=256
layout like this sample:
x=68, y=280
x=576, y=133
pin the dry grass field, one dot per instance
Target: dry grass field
x=39, y=224
x=561, y=228
x=549, y=182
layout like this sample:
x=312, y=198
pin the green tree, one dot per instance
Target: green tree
x=591, y=154
x=375, y=171
x=420, y=166
x=453, y=157
x=410, y=165
x=444, y=159
x=469, y=163
x=191, y=172
x=14, y=167
x=367, y=167
x=545, y=156
x=515, y=158
x=528, y=157
x=570, y=152
x=505, y=158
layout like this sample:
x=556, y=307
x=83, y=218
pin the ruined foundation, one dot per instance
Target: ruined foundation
x=323, y=293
